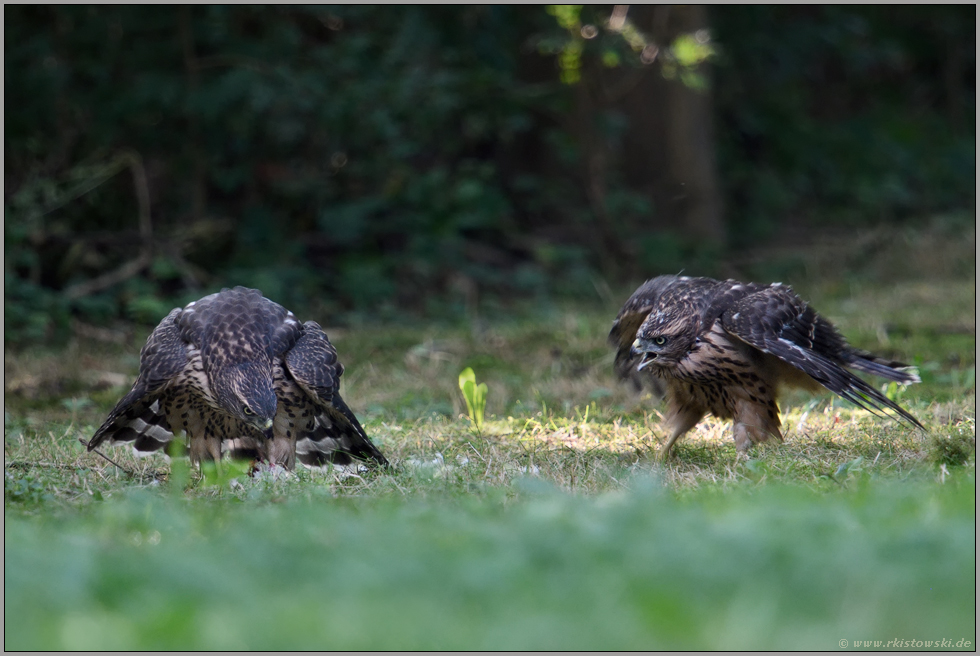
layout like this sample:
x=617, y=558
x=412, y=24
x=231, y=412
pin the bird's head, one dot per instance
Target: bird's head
x=246, y=392
x=663, y=344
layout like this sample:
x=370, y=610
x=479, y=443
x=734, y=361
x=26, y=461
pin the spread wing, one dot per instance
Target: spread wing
x=139, y=416
x=778, y=322
x=624, y=330
x=312, y=361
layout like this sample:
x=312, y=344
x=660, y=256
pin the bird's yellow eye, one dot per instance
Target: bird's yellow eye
x=247, y=411
x=659, y=341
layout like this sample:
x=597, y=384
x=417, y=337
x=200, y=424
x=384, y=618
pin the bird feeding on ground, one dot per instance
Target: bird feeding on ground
x=243, y=378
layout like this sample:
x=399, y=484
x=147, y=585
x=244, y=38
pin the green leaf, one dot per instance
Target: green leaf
x=481, y=404
x=475, y=397
x=220, y=474
x=851, y=465
x=466, y=375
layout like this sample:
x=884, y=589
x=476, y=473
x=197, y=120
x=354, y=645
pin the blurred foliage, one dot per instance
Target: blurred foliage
x=618, y=35
x=531, y=568
x=371, y=159
x=854, y=115
x=355, y=150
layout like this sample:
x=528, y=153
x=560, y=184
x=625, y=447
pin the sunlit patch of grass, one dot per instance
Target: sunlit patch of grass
x=587, y=450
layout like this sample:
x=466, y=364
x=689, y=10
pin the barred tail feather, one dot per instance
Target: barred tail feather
x=337, y=439
x=137, y=419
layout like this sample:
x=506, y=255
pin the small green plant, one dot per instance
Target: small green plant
x=221, y=474
x=894, y=391
x=475, y=396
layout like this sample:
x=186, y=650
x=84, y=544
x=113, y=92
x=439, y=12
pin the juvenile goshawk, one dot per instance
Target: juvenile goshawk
x=725, y=347
x=242, y=378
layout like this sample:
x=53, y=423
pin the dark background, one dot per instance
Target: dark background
x=415, y=161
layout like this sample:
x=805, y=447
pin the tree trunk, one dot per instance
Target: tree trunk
x=669, y=153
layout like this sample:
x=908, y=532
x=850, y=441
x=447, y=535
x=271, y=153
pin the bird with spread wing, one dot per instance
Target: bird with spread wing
x=242, y=378
x=725, y=347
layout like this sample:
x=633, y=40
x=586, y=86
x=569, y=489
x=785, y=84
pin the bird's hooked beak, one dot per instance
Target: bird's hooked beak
x=645, y=348
x=266, y=428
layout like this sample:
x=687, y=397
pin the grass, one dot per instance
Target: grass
x=778, y=568
x=554, y=527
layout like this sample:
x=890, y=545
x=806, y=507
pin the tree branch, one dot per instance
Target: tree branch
x=133, y=267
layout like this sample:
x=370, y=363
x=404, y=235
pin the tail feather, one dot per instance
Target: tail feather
x=139, y=419
x=337, y=438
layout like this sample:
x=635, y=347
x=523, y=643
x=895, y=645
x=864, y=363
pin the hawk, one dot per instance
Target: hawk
x=725, y=347
x=243, y=378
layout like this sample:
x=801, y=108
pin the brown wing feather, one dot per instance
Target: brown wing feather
x=313, y=364
x=777, y=321
x=139, y=416
x=238, y=325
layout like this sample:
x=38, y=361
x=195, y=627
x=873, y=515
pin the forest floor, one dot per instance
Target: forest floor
x=554, y=527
